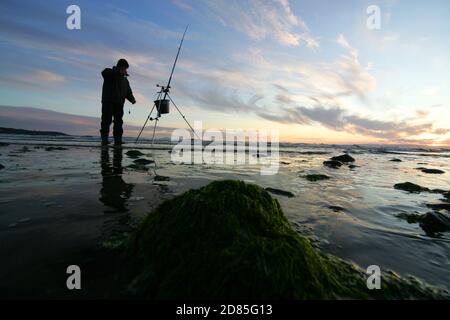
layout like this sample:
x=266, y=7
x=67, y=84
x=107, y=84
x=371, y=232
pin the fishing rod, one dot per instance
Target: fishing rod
x=162, y=105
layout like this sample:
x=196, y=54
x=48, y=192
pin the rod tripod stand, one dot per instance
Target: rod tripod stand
x=162, y=106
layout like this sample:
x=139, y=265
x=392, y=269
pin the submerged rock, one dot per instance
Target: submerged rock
x=55, y=148
x=336, y=208
x=2, y=167
x=230, y=239
x=134, y=154
x=439, y=206
x=332, y=164
x=280, y=192
x=316, y=177
x=143, y=162
x=161, y=178
x=4, y=144
x=410, y=217
x=410, y=187
x=344, y=158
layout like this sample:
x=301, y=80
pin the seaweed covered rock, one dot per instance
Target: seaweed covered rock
x=344, y=158
x=230, y=239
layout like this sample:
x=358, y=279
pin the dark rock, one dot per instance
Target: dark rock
x=332, y=164
x=143, y=162
x=396, y=160
x=352, y=166
x=316, y=177
x=411, y=217
x=134, y=154
x=161, y=178
x=439, y=206
x=2, y=167
x=410, y=187
x=336, y=208
x=434, y=222
x=432, y=171
x=344, y=158
x=280, y=192
x=55, y=148
x=4, y=144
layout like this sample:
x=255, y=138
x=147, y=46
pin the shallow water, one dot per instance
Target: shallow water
x=55, y=200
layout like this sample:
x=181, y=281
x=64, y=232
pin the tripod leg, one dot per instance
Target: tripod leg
x=154, y=130
x=139, y=135
x=182, y=115
x=154, y=105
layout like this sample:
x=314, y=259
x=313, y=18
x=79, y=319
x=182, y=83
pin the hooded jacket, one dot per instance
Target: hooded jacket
x=116, y=87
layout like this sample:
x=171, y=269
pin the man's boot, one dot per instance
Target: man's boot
x=104, y=136
x=117, y=140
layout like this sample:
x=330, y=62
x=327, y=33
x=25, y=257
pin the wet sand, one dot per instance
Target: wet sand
x=60, y=207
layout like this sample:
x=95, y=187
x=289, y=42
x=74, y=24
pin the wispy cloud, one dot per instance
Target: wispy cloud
x=258, y=19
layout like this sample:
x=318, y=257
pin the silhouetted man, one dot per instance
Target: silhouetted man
x=116, y=89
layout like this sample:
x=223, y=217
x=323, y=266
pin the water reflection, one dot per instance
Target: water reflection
x=114, y=192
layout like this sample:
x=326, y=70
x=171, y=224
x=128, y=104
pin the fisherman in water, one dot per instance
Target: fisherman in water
x=116, y=89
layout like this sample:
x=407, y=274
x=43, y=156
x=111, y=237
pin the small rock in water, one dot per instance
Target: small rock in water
x=336, y=208
x=396, y=160
x=143, y=161
x=4, y=144
x=161, y=178
x=435, y=222
x=316, y=177
x=55, y=148
x=280, y=192
x=352, y=166
x=439, y=206
x=134, y=153
x=2, y=167
x=410, y=187
x=344, y=158
x=410, y=217
x=432, y=171
x=332, y=164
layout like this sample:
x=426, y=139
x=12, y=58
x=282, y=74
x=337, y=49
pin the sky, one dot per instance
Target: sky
x=311, y=69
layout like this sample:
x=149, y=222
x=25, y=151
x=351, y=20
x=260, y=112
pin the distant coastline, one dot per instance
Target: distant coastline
x=31, y=132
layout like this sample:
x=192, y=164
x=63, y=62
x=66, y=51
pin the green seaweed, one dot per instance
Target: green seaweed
x=231, y=239
x=316, y=177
